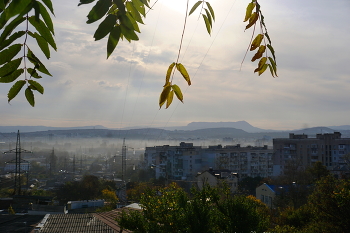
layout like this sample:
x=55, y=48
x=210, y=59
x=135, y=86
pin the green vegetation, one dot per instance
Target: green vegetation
x=171, y=209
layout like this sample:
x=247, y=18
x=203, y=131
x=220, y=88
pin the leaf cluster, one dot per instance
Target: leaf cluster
x=170, y=89
x=206, y=12
x=121, y=20
x=13, y=14
x=259, y=43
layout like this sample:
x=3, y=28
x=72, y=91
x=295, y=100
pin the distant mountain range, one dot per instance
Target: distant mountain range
x=27, y=129
x=241, y=127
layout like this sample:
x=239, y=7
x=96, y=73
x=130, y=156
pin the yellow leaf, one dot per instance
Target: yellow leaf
x=256, y=42
x=252, y=20
x=262, y=62
x=164, y=95
x=263, y=68
x=178, y=92
x=249, y=11
x=184, y=73
x=260, y=52
x=169, y=99
x=168, y=73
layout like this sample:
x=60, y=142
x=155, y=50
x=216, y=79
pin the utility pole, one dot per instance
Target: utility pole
x=123, y=160
x=18, y=160
x=74, y=164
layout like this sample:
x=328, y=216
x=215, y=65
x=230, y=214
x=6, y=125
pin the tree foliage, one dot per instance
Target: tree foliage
x=118, y=20
x=171, y=209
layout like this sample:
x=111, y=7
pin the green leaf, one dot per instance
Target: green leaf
x=37, y=63
x=30, y=96
x=249, y=11
x=43, y=31
x=48, y=3
x=145, y=3
x=140, y=7
x=7, y=54
x=10, y=67
x=15, y=89
x=168, y=73
x=85, y=2
x=129, y=34
x=46, y=17
x=273, y=64
x=120, y=5
x=263, y=68
x=98, y=11
x=36, y=10
x=11, y=39
x=37, y=86
x=178, y=92
x=12, y=76
x=133, y=22
x=125, y=21
x=184, y=73
x=105, y=27
x=209, y=18
x=16, y=7
x=10, y=27
x=268, y=37
x=272, y=52
x=33, y=73
x=170, y=98
x=164, y=96
x=113, y=40
x=44, y=46
x=195, y=7
x=252, y=20
x=2, y=5
x=211, y=10
x=256, y=42
x=134, y=12
x=207, y=24
x=271, y=70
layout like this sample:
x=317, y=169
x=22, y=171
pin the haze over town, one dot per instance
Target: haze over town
x=311, y=43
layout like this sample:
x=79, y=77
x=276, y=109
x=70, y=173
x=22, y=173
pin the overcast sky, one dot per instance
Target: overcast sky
x=311, y=40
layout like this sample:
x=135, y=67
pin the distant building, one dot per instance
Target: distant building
x=11, y=167
x=183, y=162
x=299, y=151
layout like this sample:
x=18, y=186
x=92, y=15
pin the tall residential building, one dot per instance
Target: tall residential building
x=299, y=151
x=186, y=161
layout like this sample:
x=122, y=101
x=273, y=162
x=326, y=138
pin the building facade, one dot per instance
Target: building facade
x=185, y=161
x=299, y=151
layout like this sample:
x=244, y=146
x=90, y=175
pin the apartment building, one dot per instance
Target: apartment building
x=299, y=151
x=185, y=161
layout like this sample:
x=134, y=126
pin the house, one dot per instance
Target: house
x=90, y=222
x=216, y=177
x=266, y=194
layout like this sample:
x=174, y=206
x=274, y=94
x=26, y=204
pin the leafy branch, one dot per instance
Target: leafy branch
x=265, y=61
x=12, y=15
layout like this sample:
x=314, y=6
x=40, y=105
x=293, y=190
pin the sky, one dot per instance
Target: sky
x=310, y=39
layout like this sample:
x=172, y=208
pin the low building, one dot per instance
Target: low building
x=266, y=194
x=216, y=178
